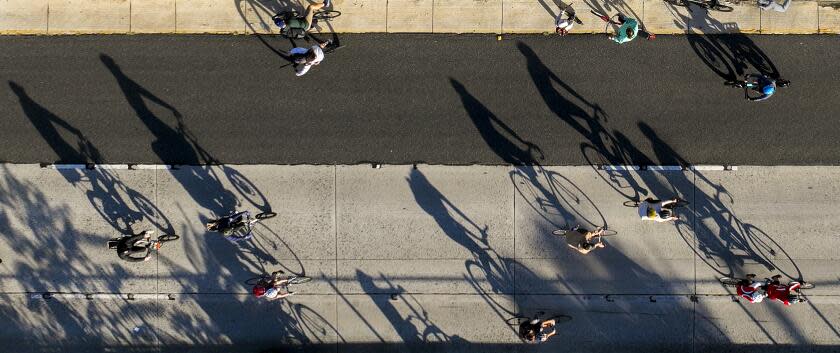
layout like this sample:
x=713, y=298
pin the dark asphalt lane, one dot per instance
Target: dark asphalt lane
x=418, y=98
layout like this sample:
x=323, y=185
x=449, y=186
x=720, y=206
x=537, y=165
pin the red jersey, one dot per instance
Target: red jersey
x=781, y=292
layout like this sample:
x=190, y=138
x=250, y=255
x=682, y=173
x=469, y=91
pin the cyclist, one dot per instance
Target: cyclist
x=785, y=293
x=304, y=58
x=581, y=240
x=536, y=330
x=764, y=85
x=753, y=291
x=293, y=26
x=658, y=211
x=129, y=250
x=628, y=30
x=231, y=226
x=562, y=26
x=274, y=289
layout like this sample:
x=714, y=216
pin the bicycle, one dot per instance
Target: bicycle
x=716, y=5
x=604, y=231
x=734, y=281
x=747, y=84
x=245, y=229
x=268, y=280
x=679, y=203
x=319, y=15
x=609, y=20
x=294, y=279
x=151, y=244
x=518, y=320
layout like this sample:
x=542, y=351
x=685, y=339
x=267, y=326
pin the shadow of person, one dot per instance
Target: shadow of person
x=104, y=189
x=494, y=269
x=48, y=125
x=498, y=135
x=585, y=117
x=172, y=146
x=414, y=327
x=720, y=46
x=718, y=236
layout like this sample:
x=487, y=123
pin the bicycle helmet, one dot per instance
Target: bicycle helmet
x=279, y=22
x=259, y=290
x=768, y=90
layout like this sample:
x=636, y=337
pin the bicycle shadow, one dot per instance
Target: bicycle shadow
x=588, y=119
x=405, y=313
x=53, y=252
x=723, y=241
x=727, y=52
x=118, y=203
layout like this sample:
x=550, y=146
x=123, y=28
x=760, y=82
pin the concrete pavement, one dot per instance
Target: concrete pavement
x=399, y=16
x=432, y=258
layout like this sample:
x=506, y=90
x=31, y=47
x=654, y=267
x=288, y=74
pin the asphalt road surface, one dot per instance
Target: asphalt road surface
x=418, y=98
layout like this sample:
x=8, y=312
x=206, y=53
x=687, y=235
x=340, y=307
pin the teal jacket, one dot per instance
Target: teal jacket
x=621, y=35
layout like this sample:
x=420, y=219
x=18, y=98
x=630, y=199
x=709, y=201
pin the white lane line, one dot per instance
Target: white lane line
x=714, y=167
x=150, y=166
x=620, y=167
x=111, y=166
x=664, y=168
x=67, y=166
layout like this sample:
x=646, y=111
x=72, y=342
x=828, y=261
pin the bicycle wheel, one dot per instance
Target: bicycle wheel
x=729, y=281
x=168, y=237
x=326, y=15
x=255, y=280
x=631, y=203
x=300, y=280
x=266, y=215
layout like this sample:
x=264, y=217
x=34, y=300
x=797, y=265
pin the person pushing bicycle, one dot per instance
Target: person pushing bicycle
x=294, y=26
